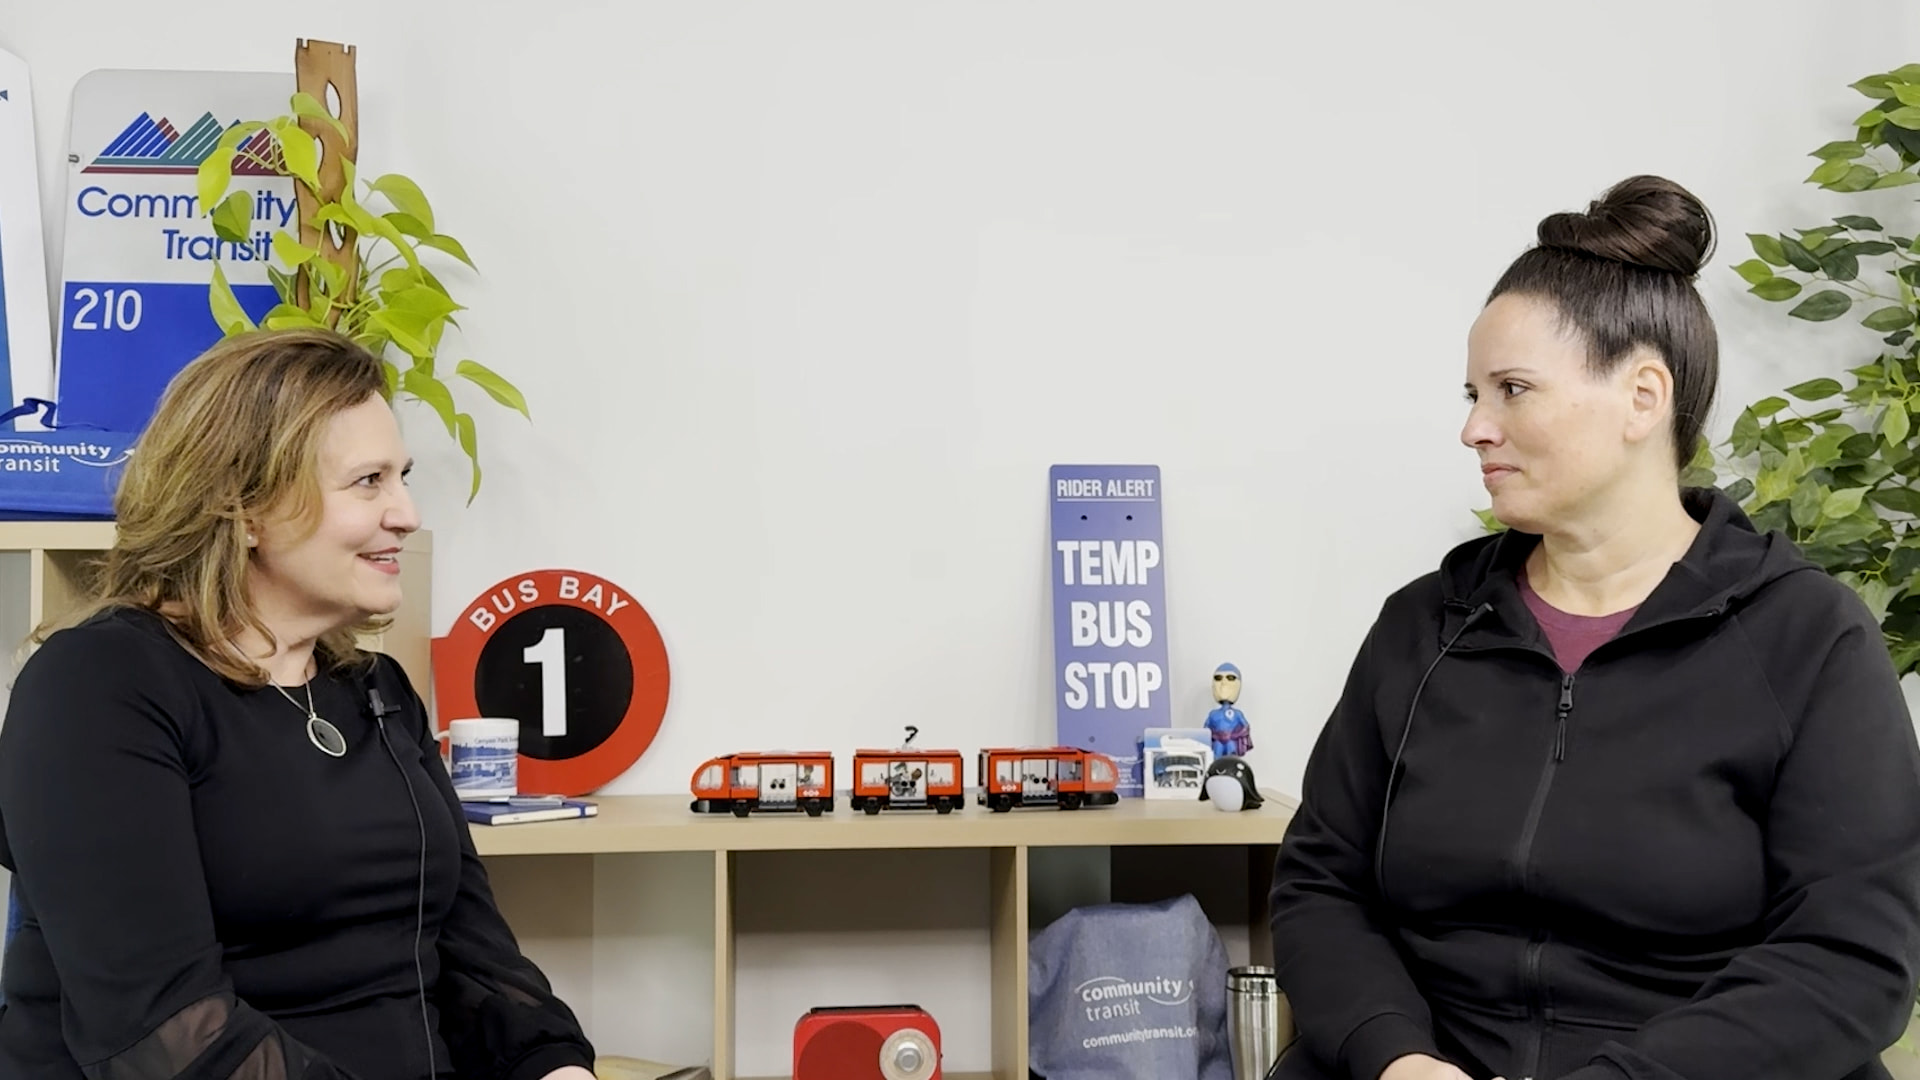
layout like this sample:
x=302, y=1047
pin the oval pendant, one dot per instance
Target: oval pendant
x=326, y=737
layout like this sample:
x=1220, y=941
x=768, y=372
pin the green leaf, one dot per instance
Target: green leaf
x=408, y=225
x=305, y=105
x=406, y=197
x=1811, y=239
x=1874, y=86
x=291, y=251
x=1754, y=271
x=1856, y=221
x=233, y=219
x=228, y=315
x=1901, y=500
x=1877, y=595
x=1832, y=150
x=1858, y=178
x=1860, y=446
x=392, y=371
x=1895, y=424
x=1824, y=450
x=1739, y=490
x=406, y=331
x=1800, y=257
x=1869, y=248
x=1767, y=406
x=1768, y=248
x=1777, y=482
x=1776, y=289
x=282, y=283
x=1746, y=433
x=1888, y=319
x=285, y=315
x=302, y=154
x=464, y=425
x=1896, y=179
x=443, y=242
x=1907, y=116
x=1488, y=522
x=1840, y=265
x=423, y=302
x=1814, y=389
x=433, y=392
x=1870, y=119
x=369, y=225
x=1843, y=503
x=1830, y=172
x=496, y=387
x=215, y=173
x=1823, y=306
x=1805, y=505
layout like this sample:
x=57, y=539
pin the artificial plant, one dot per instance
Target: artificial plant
x=360, y=271
x=1831, y=461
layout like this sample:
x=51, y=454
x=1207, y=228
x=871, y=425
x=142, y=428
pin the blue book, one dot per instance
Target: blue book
x=520, y=810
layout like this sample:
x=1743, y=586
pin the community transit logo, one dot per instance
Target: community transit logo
x=1108, y=997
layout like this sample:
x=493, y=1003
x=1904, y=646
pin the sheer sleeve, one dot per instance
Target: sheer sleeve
x=498, y=1013
x=94, y=796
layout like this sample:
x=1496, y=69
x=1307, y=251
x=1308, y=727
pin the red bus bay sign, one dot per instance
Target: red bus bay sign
x=571, y=656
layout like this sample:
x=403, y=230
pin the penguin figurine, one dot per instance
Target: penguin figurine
x=1229, y=785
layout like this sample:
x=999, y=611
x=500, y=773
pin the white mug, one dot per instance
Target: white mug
x=485, y=757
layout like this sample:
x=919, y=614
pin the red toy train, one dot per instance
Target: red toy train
x=905, y=779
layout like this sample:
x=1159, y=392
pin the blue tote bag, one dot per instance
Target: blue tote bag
x=65, y=473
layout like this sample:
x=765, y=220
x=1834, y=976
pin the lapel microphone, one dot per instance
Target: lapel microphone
x=380, y=711
x=1380, y=844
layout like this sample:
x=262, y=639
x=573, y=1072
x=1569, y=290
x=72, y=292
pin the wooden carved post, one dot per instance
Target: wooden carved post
x=320, y=67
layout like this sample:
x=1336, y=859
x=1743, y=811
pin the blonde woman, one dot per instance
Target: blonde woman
x=236, y=854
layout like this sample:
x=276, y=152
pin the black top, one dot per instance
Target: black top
x=1696, y=856
x=206, y=895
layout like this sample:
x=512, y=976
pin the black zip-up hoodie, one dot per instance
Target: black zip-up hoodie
x=1695, y=858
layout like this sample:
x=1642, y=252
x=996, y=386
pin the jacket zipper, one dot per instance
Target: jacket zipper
x=1534, y=983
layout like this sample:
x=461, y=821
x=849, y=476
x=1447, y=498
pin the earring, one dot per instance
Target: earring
x=250, y=540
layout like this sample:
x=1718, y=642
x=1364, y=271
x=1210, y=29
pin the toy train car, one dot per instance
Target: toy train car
x=1062, y=776
x=776, y=781
x=1065, y=777
x=908, y=780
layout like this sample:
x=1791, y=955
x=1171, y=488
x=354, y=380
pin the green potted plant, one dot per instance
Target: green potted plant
x=1832, y=461
x=365, y=276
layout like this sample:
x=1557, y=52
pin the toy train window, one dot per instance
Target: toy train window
x=1100, y=772
x=940, y=772
x=1070, y=769
x=746, y=776
x=1003, y=770
x=709, y=778
x=807, y=775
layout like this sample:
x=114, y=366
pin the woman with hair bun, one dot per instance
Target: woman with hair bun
x=1628, y=791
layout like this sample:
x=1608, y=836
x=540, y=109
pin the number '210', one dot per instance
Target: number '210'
x=119, y=309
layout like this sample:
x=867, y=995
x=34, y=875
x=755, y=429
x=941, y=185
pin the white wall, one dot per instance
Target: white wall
x=839, y=281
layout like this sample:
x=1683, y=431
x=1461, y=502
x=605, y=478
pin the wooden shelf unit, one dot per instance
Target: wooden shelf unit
x=534, y=900
x=60, y=554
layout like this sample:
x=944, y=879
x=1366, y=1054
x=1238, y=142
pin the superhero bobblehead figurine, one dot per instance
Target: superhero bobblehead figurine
x=1228, y=725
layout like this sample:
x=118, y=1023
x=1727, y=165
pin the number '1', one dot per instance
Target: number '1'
x=550, y=652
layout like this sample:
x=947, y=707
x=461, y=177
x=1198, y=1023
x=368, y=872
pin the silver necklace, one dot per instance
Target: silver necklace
x=320, y=733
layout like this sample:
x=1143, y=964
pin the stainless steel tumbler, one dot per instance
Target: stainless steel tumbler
x=1253, y=1020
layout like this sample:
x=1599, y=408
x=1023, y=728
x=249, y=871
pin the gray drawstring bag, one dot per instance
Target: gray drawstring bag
x=1129, y=992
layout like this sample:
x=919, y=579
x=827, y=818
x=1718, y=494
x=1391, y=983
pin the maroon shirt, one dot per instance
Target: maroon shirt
x=1572, y=636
